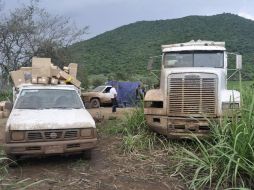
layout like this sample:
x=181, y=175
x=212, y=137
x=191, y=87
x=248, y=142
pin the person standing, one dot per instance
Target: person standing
x=113, y=94
x=139, y=95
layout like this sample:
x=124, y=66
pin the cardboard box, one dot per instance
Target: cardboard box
x=68, y=78
x=5, y=106
x=6, y=113
x=75, y=82
x=62, y=82
x=66, y=69
x=73, y=69
x=42, y=80
x=41, y=67
x=54, y=81
x=17, y=77
x=29, y=81
x=34, y=79
x=54, y=71
x=41, y=72
x=26, y=69
x=1, y=114
x=2, y=104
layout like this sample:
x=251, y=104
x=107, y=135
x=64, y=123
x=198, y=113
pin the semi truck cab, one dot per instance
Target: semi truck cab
x=193, y=89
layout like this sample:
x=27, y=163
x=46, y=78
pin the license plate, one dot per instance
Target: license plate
x=54, y=149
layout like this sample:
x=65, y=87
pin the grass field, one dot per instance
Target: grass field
x=236, y=84
x=224, y=161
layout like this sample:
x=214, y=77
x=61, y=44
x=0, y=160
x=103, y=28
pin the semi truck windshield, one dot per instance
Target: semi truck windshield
x=213, y=59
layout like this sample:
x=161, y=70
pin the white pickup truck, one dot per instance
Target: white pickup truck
x=49, y=119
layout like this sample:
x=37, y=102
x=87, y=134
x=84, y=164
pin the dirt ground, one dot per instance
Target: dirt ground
x=108, y=169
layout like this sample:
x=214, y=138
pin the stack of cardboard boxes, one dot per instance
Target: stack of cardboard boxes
x=5, y=109
x=44, y=72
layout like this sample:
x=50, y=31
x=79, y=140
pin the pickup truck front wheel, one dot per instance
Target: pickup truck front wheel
x=95, y=103
x=12, y=160
x=87, y=154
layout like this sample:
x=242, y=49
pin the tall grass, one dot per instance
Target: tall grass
x=136, y=134
x=9, y=184
x=5, y=95
x=226, y=160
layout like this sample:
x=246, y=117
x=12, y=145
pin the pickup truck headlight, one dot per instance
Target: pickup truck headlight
x=86, y=133
x=230, y=106
x=17, y=135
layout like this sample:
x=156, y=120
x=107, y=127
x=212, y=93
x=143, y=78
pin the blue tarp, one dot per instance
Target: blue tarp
x=126, y=92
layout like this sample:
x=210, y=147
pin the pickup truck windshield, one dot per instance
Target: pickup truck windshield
x=213, y=59
x=98, y=89
x=48, y=99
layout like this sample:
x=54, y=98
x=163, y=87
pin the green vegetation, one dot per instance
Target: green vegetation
x=124, y=52
x=135, y=133
x=236, y=85
x=5, y=95
x=226, y=160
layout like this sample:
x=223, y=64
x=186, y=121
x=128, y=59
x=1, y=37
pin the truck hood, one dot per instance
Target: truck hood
x=25, y=119
x=217, y=71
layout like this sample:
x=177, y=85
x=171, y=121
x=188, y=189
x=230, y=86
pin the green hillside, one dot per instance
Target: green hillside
x=126, y=50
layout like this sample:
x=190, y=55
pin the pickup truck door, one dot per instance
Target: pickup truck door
x=107, y=94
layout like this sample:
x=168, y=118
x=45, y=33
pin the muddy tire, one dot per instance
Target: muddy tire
x=12, y=160
x=95, y=103
x=87, y=154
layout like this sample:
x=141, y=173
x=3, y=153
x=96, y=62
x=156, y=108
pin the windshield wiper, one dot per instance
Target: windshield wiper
x=60, y=107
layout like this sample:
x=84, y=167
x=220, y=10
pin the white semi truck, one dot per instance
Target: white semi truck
x=193, y=89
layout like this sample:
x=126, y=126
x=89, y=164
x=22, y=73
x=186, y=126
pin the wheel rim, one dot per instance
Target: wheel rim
x=95, y=103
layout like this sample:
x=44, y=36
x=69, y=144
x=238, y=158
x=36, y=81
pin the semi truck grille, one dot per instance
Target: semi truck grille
x=193, y=94
x=52, y=135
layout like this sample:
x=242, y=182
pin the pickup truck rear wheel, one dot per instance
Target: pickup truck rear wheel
x=95, y=103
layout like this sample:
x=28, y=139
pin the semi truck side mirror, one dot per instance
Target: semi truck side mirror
x=238, y=62
x=150, y=64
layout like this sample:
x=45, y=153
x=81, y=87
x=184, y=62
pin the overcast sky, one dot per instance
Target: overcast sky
x=105, y=15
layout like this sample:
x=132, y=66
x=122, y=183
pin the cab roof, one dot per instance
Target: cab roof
x=41, y=86
x=195, y=46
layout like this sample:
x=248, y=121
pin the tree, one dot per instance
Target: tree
x=83, y=76
x=31, y=31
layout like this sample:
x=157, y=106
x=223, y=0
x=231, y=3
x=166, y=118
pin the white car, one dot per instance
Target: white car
x=49, y=120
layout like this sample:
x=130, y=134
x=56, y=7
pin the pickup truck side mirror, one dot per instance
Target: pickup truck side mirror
x=238, y=62
x=150, y=64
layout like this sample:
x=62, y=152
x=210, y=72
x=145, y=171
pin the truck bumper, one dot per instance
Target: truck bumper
x=179, y=127
x=46, y=148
